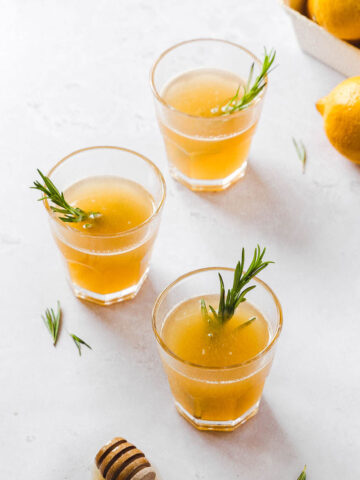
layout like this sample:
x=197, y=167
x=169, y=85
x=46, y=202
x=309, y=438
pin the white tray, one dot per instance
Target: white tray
x=315, y=40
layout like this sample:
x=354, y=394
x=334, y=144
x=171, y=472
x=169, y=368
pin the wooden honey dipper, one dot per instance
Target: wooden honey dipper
x=121, y=460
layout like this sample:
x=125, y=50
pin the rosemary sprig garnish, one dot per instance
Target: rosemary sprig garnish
x=79, y=342
x=302, y=475
x=301, y=152
x=69, y=214
x=237, y=293
x=52, y=322
x=251, y=90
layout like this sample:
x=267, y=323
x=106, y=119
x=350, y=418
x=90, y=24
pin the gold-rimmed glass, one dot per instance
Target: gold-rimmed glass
x=106, y=269
x=216, y=398
x=207, y=154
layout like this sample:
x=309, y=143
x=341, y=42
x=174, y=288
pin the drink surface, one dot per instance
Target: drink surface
x=108, y=265
x=202, y=92
x=123, y=204
x=191, y=338
x=204, y=144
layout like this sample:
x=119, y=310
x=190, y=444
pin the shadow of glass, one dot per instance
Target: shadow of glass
x=255, y=447
x=129, y=321
x=272, y=209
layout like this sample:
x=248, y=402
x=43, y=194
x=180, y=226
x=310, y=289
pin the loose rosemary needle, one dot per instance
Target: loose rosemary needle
x=52, y=322
x=79, y=342
x=302, y=475
x=252, y=89
x=237, y=293
x=301, y=152
x=246, y=324
x=69, y=214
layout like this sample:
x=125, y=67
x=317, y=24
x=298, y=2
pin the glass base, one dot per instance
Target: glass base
x=109, y=298
x=218, y=426
x=208, y=185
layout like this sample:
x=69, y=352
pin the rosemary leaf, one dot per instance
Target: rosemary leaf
x=204, y=312
x=302, y=475
x=301, y=152
x=79, y=342
x=246, y=324
x=52, y=322
x=252, y=89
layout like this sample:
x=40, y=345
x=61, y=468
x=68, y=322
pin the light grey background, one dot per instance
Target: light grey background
x=75, y=74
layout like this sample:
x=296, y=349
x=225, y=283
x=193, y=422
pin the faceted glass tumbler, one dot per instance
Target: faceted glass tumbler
x=106, y=269
x=216, y=398
x=206, y=154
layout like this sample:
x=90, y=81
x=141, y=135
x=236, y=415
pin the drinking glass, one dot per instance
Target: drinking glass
x=206, y=154
x=106, y=269
x=216, y=398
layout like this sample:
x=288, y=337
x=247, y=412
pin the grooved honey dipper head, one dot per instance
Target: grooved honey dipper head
x=121, y=460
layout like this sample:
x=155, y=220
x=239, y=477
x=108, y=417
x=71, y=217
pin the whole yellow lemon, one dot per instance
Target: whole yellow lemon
x=341, y=112
x=339, y=17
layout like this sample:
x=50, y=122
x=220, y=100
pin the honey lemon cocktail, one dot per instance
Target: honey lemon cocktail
x=208, y=98
x=104, y=206
x=217, y=361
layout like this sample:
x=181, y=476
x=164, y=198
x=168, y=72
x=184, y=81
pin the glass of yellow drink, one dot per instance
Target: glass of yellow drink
x=207, y=148
x=216, y=375
x=107, y=261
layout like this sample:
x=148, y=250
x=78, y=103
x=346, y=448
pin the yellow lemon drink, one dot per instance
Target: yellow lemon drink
x=203, y=93
x=107, y=254
x=124, y=205
x=194, y=83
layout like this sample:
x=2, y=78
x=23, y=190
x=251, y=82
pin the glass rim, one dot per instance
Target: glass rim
x=161, y=342
x=111, y=235
x=160, y=98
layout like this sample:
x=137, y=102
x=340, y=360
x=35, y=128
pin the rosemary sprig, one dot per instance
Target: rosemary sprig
x=251, y=90
x=79, y=342
x=235, y=295
x=52, y=322
x=302, y=475
x=69, y=214
x=301, y=152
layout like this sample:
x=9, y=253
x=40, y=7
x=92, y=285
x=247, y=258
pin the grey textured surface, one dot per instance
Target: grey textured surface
x=75, y=74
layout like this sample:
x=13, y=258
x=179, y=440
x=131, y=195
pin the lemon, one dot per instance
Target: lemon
x=341, y=112
x=339, y=17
